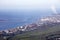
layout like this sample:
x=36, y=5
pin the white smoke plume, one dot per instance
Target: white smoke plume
x=54, y=9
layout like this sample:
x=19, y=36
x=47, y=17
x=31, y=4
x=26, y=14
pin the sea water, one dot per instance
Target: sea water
x=9, y=20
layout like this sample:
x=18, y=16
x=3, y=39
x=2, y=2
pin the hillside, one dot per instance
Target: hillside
x=37, y=34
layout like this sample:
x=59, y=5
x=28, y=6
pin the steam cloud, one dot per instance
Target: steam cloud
x=54, y=9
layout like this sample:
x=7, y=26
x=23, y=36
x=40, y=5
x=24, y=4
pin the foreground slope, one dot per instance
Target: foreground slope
x=39, y=35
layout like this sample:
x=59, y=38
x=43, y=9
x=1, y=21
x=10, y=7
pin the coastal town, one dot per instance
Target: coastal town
x=18, y=30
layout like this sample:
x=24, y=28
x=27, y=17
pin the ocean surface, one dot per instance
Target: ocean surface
x=9, y=20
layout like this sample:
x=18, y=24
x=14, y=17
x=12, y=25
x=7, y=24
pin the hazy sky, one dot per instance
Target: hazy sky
x=27, y=4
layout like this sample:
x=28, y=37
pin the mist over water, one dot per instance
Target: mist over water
x=12, y=19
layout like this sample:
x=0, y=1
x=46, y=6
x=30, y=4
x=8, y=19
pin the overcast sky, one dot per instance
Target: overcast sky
x=27, y=4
